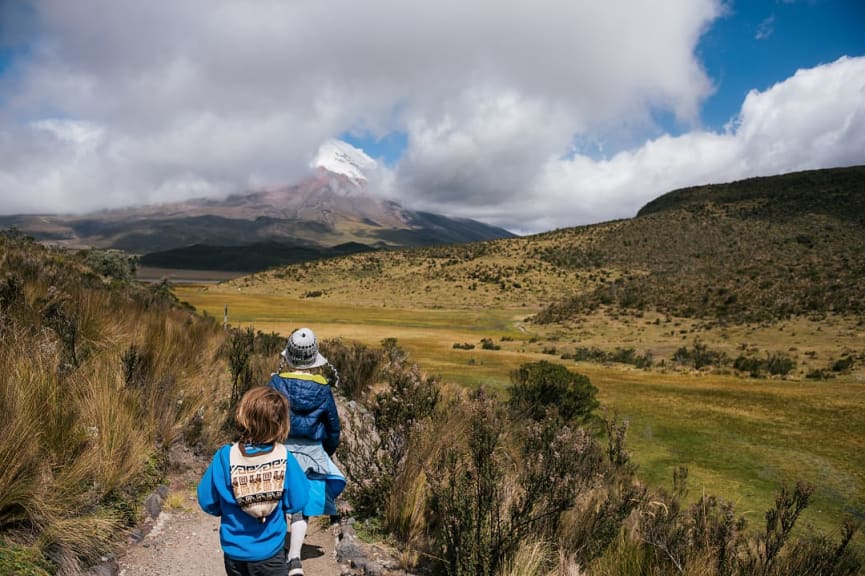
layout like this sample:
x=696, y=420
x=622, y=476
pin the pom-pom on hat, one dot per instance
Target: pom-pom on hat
x=301, y=351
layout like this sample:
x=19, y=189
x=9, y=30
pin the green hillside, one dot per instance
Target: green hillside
x=760, y=249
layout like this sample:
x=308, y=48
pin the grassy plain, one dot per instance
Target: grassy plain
x=740, y=438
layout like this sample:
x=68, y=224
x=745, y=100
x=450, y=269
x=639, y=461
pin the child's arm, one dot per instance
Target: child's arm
x=331, y=426
x=208, y=496
x=296, y=487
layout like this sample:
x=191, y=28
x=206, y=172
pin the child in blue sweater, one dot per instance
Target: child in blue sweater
x=252, y=484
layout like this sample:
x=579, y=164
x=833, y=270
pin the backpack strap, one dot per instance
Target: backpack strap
x=257, y=480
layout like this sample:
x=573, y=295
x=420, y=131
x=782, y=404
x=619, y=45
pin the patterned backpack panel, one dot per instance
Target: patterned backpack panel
x=257, y=480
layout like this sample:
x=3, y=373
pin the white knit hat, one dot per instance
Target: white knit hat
x=301, y=351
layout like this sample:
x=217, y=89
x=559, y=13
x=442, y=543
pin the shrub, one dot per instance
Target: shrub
x=357, y=366
x=112, y=264
x=463, y=346
x=268, y=345
x=748, y=364
x=376, y=442
x=488, y=344
x=465, y=492
x=842, y=364
x=699, y=356
x=645, y=361
x=583, y=354
x=779, y=364
x=485, y=508
x=240, y=346
x=541, y=385
x=623, y=356
x=11, y=293
x=137, y=367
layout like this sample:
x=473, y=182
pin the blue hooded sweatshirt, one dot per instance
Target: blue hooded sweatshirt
x=243, y=537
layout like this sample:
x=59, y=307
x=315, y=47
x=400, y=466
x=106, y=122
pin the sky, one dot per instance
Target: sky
x=527, y=115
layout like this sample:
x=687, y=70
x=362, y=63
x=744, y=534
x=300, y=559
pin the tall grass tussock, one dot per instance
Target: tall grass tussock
x=98, y=378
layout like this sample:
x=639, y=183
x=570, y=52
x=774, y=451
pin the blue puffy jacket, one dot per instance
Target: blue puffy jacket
x=312, y=407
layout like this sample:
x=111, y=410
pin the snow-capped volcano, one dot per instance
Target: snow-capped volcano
x=332, y=208
x=342, y=158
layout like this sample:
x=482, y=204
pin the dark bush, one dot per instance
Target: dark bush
x=749, y=364
x=240, y=346
x=842, y=364
x=11, y=293
x=358, y=366
x=488, y=344
x=59, y=313
x=481, y=523
x=699, y=356
x=541, y=385
x=268, y=345
x=137, y=367
x=466, y=495
x=779, y=364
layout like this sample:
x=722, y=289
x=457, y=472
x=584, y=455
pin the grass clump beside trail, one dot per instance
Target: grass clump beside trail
x=98, y=378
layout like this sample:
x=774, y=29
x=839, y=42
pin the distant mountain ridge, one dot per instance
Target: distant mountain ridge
x=333, y=207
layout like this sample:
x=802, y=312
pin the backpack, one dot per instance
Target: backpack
x=258, y=480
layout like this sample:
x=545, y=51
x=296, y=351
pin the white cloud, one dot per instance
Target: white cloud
x=227, y=95
x=766, y=28
x=815, y=119
x=119, y=102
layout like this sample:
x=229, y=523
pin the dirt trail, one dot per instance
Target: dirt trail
x=185, y=542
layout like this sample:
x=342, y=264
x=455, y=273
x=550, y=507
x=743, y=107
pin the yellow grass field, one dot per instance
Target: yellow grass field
x=740, y=438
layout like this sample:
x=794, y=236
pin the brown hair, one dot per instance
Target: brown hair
x=262, y=416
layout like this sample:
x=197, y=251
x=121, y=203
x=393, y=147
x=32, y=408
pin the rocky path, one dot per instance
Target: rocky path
x=184, y=541
x=179, y=539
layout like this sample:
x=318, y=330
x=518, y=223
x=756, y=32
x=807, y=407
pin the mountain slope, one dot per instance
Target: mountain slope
x=325, y=210
x=745, y=251
x=757, y=250
x=333, y=209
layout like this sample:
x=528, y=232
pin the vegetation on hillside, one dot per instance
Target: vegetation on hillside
x=98, y=379
x=752, y=251
x=470, y=484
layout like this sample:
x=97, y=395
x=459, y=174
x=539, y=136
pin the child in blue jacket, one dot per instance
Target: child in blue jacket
x=252, y=484
x=314, y=434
